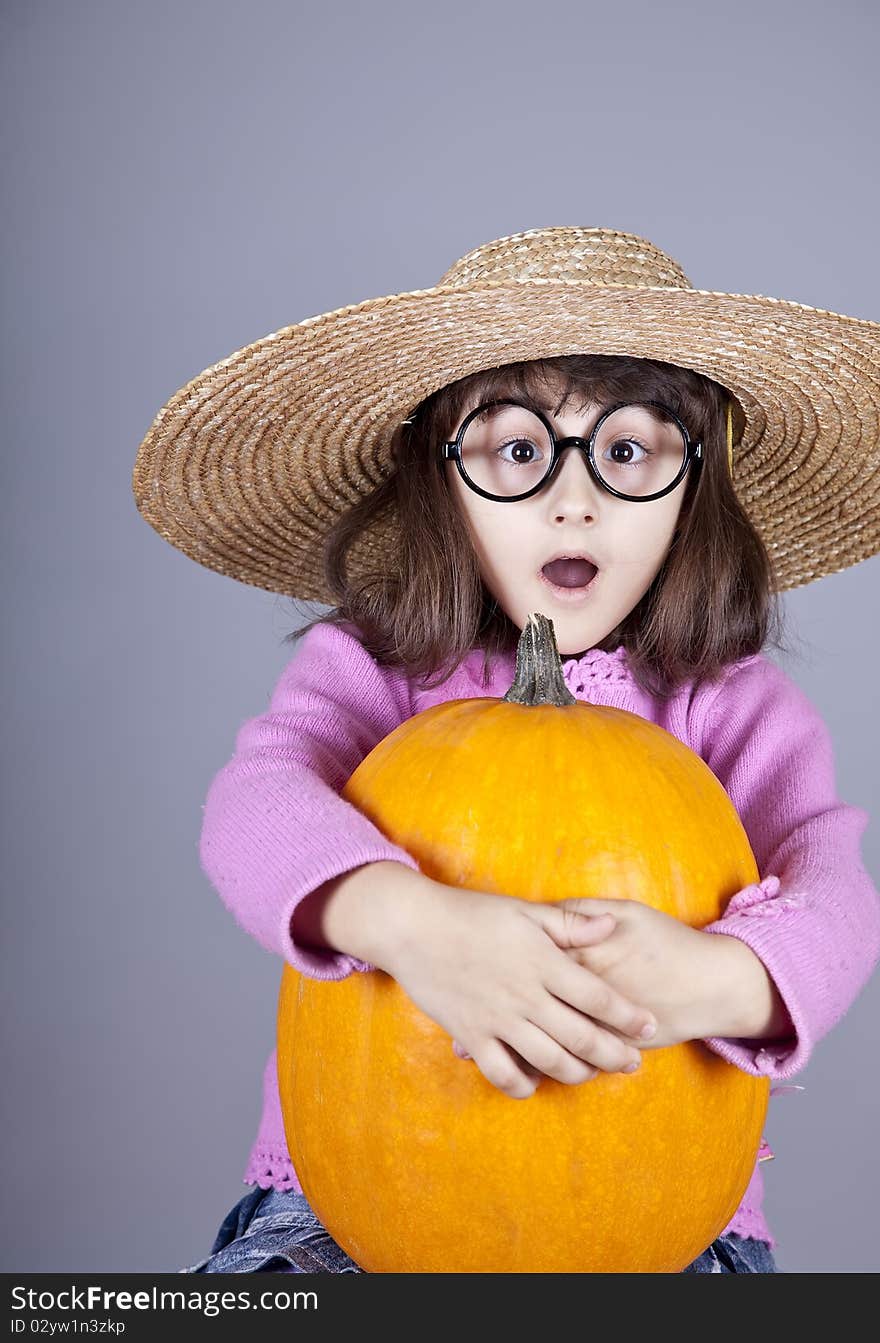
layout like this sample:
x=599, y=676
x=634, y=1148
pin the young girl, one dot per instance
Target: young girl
x=406, y=461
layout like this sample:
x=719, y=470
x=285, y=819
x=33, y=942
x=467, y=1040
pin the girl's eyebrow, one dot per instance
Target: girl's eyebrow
x=549, y=407
x=534, y=401
x=524, y=399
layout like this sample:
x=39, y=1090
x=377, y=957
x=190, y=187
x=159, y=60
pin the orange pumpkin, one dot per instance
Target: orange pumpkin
x=410, y=1158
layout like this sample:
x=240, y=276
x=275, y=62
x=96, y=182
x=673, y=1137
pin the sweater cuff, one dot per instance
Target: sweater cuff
x=757, y=916
x=315, y=962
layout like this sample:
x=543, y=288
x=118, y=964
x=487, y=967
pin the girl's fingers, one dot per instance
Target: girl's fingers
x=508, y=1072
x=586, y=993
x=569, y=1033
x=549, y=1058
x=590, y=928
x=567, y=927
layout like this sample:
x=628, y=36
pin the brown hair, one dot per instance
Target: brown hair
x=712, y=602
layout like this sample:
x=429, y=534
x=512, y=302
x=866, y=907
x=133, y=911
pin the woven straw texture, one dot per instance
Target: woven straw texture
x=246, y=467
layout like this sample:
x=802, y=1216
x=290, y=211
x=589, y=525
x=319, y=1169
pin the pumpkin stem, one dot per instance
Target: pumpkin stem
x=538, y=678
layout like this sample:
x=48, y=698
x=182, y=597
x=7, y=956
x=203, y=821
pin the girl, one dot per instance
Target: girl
x=406, y=462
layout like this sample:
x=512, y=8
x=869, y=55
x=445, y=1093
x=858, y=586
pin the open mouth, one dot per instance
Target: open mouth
x=569, y=581
x=569, y=574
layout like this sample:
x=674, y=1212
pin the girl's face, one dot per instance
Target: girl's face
x=628, y=541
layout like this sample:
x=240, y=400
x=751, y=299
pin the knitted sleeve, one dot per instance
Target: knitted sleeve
x=274, y=826
x=814, y=917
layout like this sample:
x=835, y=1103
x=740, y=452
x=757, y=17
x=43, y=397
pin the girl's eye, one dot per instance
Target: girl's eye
x=524, y=453
x=627, y=444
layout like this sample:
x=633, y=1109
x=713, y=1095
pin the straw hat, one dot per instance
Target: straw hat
x=248, y=465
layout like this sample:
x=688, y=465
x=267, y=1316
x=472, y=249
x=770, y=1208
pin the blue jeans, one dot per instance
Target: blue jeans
x=270, y=1231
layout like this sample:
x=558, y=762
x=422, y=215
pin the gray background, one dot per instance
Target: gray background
x=181, y=180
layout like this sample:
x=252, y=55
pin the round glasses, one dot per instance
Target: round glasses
x=506, y=451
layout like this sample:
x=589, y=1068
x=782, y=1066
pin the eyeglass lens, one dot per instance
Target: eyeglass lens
x=507, y=450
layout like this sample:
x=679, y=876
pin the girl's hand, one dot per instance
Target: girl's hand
x=492, y=970
x=661, y=962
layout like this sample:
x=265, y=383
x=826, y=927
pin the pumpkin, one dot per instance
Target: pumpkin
x=409, y=1156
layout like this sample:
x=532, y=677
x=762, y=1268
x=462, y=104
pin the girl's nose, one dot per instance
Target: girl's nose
x=573, y=472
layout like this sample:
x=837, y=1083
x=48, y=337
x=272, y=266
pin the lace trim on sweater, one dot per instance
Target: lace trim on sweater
x=596, y=665
x=269, y=1170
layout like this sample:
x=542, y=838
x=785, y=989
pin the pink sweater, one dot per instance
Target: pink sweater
x=275, y=829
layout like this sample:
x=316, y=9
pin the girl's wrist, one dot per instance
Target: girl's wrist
x=361, y=912
x=742, y=1001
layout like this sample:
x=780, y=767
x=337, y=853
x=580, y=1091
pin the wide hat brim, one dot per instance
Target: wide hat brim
x=248, y=465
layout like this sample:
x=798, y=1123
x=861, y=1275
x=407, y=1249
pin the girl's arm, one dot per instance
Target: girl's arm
x=274, y=828
x=491, y=971
x=814, y=918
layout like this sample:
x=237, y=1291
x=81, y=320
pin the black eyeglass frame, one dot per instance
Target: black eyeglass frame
x=451, y=451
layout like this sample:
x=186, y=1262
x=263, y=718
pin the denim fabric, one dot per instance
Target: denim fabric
x=273, y=1231
x=735, y=1254
x=270, y=1231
